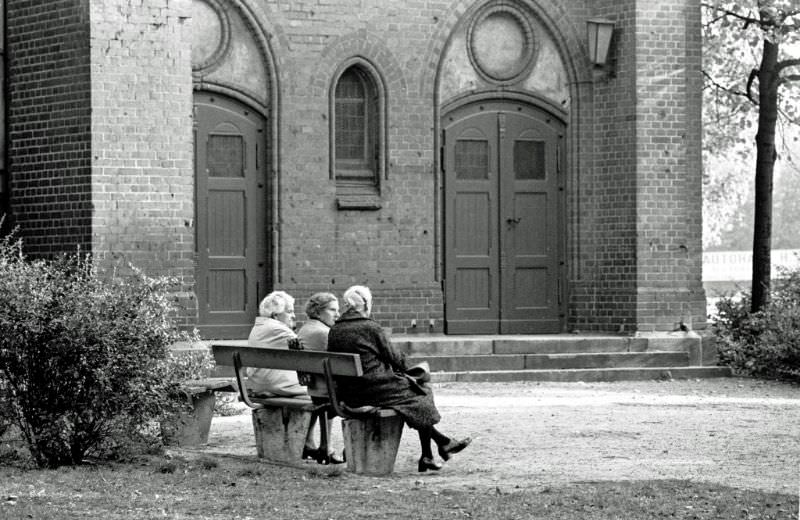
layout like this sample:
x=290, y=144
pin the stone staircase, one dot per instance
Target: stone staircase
x=563, y=357
x=557, y=357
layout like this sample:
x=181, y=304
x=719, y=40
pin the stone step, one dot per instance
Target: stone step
x=587, y=375
x=553, y=361
x=441, y=345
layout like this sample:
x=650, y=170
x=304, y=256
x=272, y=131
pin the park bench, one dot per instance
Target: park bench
x=371, y=435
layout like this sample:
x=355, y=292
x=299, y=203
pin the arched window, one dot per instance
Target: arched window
x=357, y=134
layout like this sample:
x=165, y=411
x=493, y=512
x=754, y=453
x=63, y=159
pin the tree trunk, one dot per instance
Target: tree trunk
x=765, y=165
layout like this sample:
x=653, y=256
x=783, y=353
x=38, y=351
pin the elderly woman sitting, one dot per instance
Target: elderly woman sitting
x=273, y=329
x=384, y=383
x=322, y=310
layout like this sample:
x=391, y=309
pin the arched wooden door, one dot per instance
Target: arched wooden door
x=503, y=220
x=231, y=228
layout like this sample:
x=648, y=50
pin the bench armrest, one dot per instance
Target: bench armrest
x=238, y=369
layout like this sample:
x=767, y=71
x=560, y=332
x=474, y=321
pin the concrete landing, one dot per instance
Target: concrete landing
x=558, y=357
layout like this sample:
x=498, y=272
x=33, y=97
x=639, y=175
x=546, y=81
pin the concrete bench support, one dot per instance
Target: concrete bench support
x=194, y=424
x=280, y=432
x=371, y=443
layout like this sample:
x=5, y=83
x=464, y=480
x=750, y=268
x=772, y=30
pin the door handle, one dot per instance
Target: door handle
x=510, y=220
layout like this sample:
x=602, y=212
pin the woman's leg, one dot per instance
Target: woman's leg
x=438, y=437
x=426, y=461
x=310, y=447
x=425, y=441
x=446, y=445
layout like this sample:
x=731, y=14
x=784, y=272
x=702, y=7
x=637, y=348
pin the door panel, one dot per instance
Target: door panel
x=502, y=204
x=472, y=274
x=230, y=209
x=529, y=238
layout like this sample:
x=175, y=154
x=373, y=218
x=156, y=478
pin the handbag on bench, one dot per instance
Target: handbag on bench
x=418, y=375
x=302, y=377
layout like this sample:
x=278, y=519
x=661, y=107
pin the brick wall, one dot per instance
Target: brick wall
x=391, y=250
x=142, y=172
x=48, y=124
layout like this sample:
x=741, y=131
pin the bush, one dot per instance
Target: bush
x=83, y=357
x=766, y=343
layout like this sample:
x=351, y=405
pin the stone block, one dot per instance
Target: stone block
x=371, y=444
x=280, y=433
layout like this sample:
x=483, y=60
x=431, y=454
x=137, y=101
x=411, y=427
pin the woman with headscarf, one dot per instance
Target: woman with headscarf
x=384, y=383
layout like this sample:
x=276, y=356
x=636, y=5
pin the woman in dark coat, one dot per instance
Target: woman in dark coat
x=384, y=383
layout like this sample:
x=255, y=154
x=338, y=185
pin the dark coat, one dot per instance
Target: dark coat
x=383, y=383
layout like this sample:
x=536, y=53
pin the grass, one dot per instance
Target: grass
x=217, y=487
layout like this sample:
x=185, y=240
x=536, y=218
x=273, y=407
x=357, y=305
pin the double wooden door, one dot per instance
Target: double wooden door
x=231, y=229
x=503, y=218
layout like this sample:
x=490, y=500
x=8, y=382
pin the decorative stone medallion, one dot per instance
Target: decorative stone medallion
x=500, y=43
x=210, y=34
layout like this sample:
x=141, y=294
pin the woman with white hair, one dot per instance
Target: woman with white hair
x=384, y=383
x=273, y=329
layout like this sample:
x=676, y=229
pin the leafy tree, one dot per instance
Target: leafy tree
x=728, y=219
x=751, y=74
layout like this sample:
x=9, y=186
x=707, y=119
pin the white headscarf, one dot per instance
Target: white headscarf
x=359, y=298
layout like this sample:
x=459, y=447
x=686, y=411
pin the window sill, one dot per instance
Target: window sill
x=358, y=202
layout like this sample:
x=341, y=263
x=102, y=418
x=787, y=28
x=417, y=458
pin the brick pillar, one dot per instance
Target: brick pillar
x=669, y=175
x=142, y=144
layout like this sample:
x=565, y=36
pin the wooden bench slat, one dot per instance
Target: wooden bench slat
x=301, y=403
x=285, y=359
x=211, y=384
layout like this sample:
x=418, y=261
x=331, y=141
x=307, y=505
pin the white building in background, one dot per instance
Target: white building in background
x=736, y=266
x=728, y=272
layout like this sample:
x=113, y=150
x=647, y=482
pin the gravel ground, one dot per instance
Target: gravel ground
x=738, y=432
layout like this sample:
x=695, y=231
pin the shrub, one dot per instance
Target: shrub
x=82, y=355
x=766, y=343
x=186, y=364
x=229, y=405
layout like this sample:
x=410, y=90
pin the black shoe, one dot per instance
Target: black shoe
x=426, y=464
x=453, y=447
x=310, y=453
x=334, y=459
x=325, y=459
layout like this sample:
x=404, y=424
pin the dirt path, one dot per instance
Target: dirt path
x=736, y=432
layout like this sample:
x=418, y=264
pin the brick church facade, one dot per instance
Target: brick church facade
x=463, y=158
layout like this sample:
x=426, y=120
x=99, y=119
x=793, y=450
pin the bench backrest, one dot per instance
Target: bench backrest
x=309, y=361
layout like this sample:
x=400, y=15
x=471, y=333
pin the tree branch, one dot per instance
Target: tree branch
x=788, y=118
x=720, y=86
x=746, y=19
x=786, y=64
x=788, y=79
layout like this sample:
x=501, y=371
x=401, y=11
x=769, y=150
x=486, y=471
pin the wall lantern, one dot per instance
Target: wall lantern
x=599, y=32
